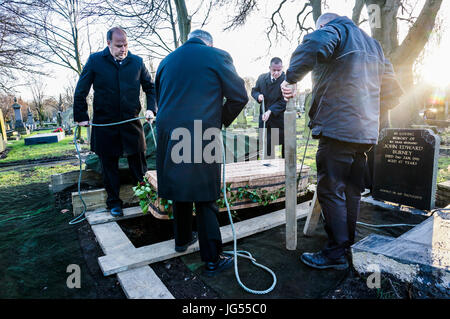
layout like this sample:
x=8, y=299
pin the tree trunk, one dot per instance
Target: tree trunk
x=184, y=20
x=316, y=8
x=405, y=54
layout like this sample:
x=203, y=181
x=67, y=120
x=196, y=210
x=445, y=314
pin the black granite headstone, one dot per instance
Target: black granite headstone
x=405, y=170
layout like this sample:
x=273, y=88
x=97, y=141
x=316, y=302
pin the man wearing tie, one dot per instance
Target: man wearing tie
x=267, y=88
x=116, y=76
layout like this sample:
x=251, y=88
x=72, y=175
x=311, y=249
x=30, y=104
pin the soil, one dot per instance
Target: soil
x=184, y=279
x=46, y=244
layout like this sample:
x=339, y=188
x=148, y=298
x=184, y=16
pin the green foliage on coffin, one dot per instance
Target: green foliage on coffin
x=148, y=195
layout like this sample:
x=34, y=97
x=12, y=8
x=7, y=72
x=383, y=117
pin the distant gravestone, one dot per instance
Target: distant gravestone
x=19, y=126
x=2, y=126
x=44, y=138
x=2, y=143
x=30, y=120
x=405, y=170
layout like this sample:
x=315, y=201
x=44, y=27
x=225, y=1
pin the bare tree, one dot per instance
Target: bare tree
x=37, y=105
x=159, y=26
x=391, y=12
x=55, y=26
x=16, y=48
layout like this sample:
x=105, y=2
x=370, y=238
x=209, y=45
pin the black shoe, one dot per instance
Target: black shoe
x=183, y=248
x=213, y=268
x=116, y=211
x=320, y=261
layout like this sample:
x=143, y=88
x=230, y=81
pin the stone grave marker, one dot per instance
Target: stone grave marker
x=3, y=127
x=405, y=170
x=19, y=126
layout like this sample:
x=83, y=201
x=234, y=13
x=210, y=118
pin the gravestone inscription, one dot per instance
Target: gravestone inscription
x=405, y=170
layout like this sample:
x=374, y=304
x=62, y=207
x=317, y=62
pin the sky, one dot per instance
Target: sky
x=248, y=44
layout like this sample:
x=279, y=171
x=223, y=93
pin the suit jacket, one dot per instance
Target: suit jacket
x=273, y=100
x=195, y=82
x=116, y=98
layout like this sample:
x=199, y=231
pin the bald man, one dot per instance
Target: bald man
x=117, y=77
x=352, y=82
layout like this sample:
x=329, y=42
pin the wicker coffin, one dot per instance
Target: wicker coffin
x=253, y=175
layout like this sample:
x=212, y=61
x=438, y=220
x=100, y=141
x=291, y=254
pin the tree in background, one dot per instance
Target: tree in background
x=384, y=17
x=58, y=29
x=159, y=26
x=16, y=48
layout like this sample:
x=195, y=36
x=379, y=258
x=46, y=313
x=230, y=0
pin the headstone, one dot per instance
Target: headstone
x=405, y=170
x=30, y=120
x=44, y=138
x=2, y=126
x=19, y=126
x=2, y=143
x=59, y=118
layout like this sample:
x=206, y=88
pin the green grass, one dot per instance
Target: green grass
x=37, y=174
x=19, y=151
x=310, y=157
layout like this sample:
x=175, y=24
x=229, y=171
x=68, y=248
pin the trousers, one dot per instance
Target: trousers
x=340, y=181
x=209, y=236
x=111, y=179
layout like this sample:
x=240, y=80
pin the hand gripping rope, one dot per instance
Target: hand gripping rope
x=82, y=216
x=235, y=252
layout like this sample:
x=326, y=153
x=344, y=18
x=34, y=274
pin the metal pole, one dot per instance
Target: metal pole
x=264, y=131
x=291, y=174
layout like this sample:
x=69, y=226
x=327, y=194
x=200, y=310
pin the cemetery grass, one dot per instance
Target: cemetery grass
x=33, y=174
x=19, y=153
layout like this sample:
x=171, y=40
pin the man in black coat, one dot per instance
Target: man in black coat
x=267, y=89
x=191, y=84
x=352, y=81
x=116, y=76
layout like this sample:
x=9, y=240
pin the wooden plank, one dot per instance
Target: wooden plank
x=313, y=216
x=291, y=167
x=444, y=185
x=143, y=283
x=101, y=216
x=60, y=182
x=137, y=257
x=96, y=198
x=138, y=283
x=111, y=238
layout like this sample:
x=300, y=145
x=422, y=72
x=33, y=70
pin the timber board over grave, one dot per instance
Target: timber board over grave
x=406, y=167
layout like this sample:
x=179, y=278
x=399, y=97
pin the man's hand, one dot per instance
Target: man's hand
x=266, y=115
x=150, y=116
x=288, y=90
x=84, y=123
x=260, y=98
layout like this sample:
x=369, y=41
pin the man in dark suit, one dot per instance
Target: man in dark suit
x=267, y=88
x=191, y=84
x=116, y=76
x=352, y=81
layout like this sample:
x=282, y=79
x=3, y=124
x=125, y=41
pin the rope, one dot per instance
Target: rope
x=82, y=216
x=264, y=130
x=242, y=253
